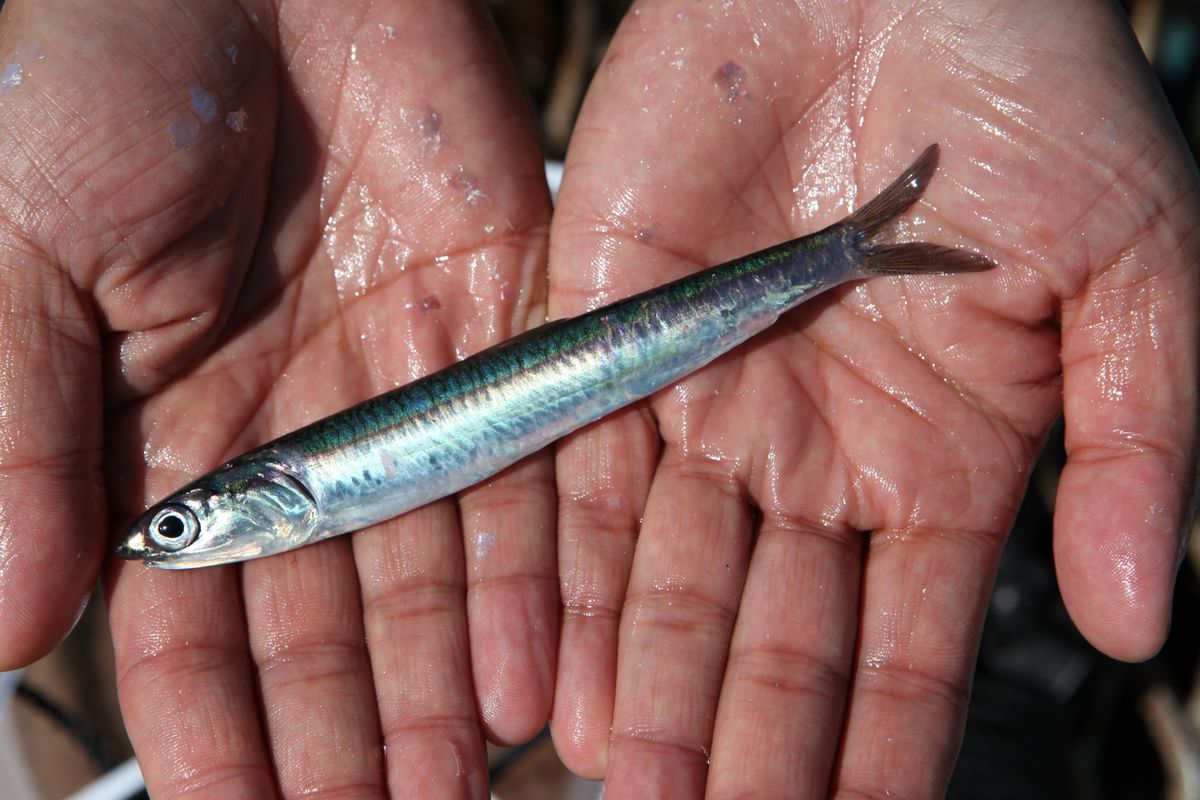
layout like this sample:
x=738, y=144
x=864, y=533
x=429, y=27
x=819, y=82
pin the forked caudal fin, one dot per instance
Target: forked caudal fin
x=882, y=258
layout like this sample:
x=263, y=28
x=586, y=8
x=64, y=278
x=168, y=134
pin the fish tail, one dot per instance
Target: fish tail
x=869, y=224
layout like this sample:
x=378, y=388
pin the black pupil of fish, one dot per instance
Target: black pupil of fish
x=171, y=526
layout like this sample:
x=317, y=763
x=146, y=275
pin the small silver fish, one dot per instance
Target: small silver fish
x=456, y=427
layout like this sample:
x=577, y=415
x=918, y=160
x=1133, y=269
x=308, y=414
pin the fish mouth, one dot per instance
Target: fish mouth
x=134, y=547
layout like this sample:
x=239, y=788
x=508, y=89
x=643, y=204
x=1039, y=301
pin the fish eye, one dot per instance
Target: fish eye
x=173, y=528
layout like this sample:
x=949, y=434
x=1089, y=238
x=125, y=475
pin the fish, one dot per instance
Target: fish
x=458, y=426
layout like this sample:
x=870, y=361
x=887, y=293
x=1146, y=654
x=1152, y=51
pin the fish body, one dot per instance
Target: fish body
x=456, y=427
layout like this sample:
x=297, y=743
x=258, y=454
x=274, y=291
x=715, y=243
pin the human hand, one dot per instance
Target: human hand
x=223, y=221
x=821, y=511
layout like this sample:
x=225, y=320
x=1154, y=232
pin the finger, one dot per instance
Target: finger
x=456, y=170
x=925, y=592
x=1129, y=371
x=789, y=663
x=512, y=597
x=683, y=597
x=51, y=492
x=112, y=197
x=185, y=682
x=314, y=676
x=603, y=477
x=412, y=583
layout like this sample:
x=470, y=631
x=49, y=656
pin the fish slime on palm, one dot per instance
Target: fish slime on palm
x=460, y=425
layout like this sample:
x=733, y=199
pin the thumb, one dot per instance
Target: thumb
x=52, y=519
x=1131, y=342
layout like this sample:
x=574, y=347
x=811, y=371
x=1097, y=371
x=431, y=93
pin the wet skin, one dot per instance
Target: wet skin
x=821, y=511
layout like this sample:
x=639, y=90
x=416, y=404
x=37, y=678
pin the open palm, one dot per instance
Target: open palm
x=245, y=218
x=222, y=221
x=775, y=572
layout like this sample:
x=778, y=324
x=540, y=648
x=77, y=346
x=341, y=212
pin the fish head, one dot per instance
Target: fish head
x=243, y=510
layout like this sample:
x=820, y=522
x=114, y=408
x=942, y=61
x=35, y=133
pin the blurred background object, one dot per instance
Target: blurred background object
x=1050, y=717
x=1169, y=32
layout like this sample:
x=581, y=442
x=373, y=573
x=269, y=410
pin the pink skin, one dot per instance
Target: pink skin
x=822, y=510
x=379, y=211
x=230, y=282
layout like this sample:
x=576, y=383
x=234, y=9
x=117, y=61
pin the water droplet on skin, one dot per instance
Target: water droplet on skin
x=204, y=104
x=363, y=241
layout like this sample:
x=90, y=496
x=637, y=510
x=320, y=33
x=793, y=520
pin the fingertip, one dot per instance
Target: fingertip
x=581, y=718
x=40, y=602
x=512, y=599
x=1120, y=632
x=1117, y=549
x=576, y=743
x=513, y=632
x=48, y=564
x=1123, y=622
x=514, y=678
